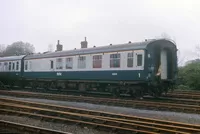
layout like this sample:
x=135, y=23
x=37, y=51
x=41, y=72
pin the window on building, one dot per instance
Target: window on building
x=9, y=67
x=82, y=62
x=17, y=65
x=139, y=60
x=130, y=60
x=13, y=66
x=69, y=63
x=114, y=60
x=26, y=65
x=59, y=63
x=97, y=61
x=51, y=64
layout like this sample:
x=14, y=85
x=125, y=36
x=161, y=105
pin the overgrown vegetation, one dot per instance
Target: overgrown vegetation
x=189, y=76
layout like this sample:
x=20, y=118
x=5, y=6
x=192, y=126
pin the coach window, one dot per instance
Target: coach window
x=81, y=62
x=17, y=65
x=26, y=65
x=69, y=63
x=30, y=65
x=139, y=59
x=9, y=67
x=114, y=60
x=51, y=64
x=5, y=66
x=59, y=63
x=13, y=66
x=130, y=60
x=97, y=61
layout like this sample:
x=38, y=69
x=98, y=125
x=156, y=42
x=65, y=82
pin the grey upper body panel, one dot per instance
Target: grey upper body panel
x=102, y=49
x=11, y=58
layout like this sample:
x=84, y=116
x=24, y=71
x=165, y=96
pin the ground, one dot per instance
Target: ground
x=172, y=116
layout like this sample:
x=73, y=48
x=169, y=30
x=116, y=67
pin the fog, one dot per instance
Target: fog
x=103, y=22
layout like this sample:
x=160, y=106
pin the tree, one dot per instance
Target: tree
x=50, y=48
x=198, y=51
x=165, y=35
x=2, y=49
x=19, y=48
x=190, y=75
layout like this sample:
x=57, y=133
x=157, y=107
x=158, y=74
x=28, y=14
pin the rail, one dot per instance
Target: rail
x=185, y=95
x=120, y=122
x=23, y=128
x=172, y=106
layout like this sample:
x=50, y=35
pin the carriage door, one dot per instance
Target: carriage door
x=163, y=58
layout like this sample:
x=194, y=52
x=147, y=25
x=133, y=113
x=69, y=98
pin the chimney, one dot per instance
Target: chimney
x=84, y=43
x=59, y=47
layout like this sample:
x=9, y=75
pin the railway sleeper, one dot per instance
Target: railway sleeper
x=139, y=126
x=45, y=105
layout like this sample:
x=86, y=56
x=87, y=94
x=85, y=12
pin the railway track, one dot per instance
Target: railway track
x=184, y=95
x=17, y=128
x=120, y=123
x=186, y=91
x=190, y=106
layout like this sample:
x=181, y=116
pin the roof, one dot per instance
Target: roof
x=82, y=51
x=11, y=58
x=94, y=50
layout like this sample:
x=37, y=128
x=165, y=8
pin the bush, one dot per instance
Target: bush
x=190, y=76
x=183, y=87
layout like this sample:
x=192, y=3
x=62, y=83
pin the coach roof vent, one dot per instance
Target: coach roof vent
x=84, y=43
x=59, y=47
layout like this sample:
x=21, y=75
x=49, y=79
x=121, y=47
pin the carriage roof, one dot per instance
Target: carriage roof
x=94, y=50
x=11, y=58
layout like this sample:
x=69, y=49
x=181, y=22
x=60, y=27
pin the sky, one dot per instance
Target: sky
x=43, y=22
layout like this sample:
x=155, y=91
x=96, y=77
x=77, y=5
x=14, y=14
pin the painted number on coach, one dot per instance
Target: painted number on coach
x=59, y=74
x=114, y=73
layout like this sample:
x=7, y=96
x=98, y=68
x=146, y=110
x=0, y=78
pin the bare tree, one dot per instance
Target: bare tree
x=50, y=48
x=2, y=49
x=198, y=51
x=19, y=48
x=165, y=35
x=180, y=59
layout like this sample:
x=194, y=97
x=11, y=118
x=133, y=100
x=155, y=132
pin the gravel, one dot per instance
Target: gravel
x=164, y=115
x=50, y=125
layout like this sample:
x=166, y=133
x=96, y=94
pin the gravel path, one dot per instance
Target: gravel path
x=173, y=116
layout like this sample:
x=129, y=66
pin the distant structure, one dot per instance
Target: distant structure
x=84, y=44
x=59, y=47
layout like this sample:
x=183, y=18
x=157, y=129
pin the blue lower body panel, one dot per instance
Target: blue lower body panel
x=118, y=75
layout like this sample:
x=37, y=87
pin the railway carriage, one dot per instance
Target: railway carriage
x=132, y=68
x=11, y=69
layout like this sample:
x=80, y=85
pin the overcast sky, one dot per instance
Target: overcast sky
x=43, y=22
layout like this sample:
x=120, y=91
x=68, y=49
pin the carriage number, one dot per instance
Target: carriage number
x=59, y=74
x=114, y=73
